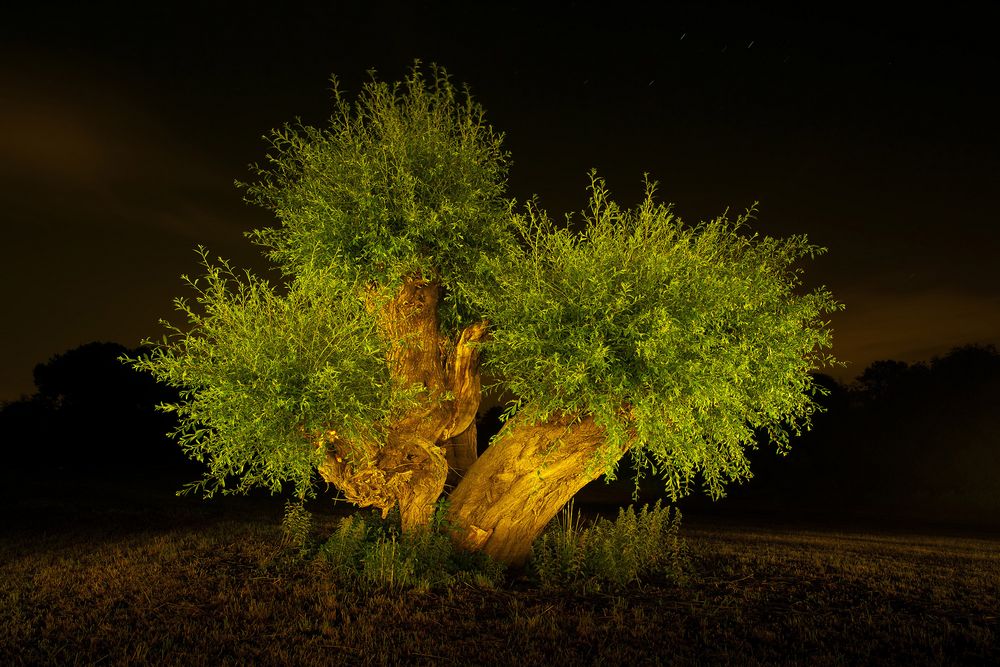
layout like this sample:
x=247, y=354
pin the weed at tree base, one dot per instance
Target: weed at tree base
x=373, y=553
x=611, y=555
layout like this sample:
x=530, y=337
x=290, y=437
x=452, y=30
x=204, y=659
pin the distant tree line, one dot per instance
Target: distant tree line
x=920, y=440
x=90, y=414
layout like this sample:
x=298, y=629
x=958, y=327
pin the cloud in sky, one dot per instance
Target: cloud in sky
x=100, y=202
x=97, y=147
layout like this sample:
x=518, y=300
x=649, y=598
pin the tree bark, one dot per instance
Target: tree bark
x=411, y=465
x=518, y=485
x=462, y=452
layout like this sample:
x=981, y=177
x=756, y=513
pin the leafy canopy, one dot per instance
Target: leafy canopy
x=407, y=181
x=683, y=341
x=258, y=367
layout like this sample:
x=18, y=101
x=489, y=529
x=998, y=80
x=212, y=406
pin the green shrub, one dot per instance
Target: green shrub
x=634, y=547
x=390, y=564
x=296, y=524
x=373, y=553
x=345, y=549
x=370, y=552
x=557, y=558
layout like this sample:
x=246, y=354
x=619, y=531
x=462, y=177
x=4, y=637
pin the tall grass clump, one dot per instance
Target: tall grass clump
x=611, y=554
x=373, y=553
x=295, y=525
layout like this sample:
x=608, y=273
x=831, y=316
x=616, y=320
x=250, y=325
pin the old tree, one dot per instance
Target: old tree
x=409, y=277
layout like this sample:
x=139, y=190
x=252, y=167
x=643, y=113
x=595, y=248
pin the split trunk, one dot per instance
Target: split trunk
x=499, y=502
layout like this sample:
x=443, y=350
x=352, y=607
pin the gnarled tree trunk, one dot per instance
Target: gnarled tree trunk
x=411, y=465
x=501, y=501
x=518, y=485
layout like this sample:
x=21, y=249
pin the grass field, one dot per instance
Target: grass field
x=126, y=579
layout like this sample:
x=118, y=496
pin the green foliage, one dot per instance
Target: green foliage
x=688, y=339
x=373, y=553
x=408, y=180
x=611, y=554
x=556, y=556
x=295, y=524
x=258, y=366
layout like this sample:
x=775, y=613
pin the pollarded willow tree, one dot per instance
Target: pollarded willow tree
x=408, y=274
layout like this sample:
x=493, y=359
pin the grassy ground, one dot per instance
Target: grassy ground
x=127, y=579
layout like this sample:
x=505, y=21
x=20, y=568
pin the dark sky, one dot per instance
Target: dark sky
x=122, y=131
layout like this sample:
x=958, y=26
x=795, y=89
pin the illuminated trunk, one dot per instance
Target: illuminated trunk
x=500, y=502
x=520, y=483
x=462, y=453
x=410, y=467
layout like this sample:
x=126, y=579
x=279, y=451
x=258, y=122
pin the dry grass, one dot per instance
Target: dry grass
x=151, y=584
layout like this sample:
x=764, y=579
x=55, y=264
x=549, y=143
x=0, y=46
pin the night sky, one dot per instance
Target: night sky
x=876, y=134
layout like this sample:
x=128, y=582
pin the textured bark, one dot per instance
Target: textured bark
x=410, y=322
x=463, y=380
x=462, y=453
x=410, y=466
x=518, y=485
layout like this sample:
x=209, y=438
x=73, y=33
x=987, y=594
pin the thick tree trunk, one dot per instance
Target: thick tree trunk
x=518, y=485
x=501, y=501
x=411, y=465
